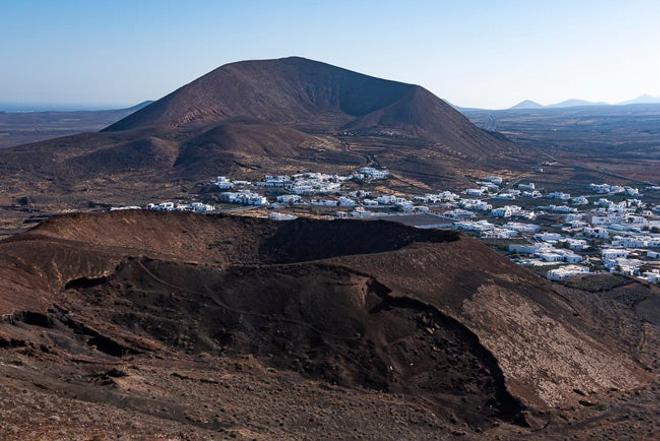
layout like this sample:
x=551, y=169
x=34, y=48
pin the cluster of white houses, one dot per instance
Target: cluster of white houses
x=608, y=228
x=580, y=234
x=195, y=207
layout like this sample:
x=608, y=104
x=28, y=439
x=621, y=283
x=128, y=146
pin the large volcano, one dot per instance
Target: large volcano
x=259, y=117
x=312, y=96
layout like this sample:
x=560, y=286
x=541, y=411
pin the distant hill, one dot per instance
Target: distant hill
x=21, y=107
x=527, y=104
x=643, y=99
x=22, y=127
x=575, y=103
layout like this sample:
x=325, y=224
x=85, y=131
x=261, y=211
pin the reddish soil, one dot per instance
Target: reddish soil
x=141, y=325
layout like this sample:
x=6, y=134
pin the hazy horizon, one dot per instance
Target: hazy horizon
x=113, y=54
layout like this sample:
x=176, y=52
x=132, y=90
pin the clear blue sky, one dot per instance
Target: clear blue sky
x=484, y=53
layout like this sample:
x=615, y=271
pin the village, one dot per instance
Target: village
x=606, y=228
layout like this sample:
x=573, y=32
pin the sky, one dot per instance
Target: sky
x=473, y=53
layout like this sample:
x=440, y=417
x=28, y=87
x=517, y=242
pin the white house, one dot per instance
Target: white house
x=346, y=202
x=506, y=211
x=596, y=232
x=508, y=196
x=614, y=253
x=474, y=204
x=222, y=183
x=559, y=195
x=459, y=214
x=532, y=194
x=282, y=216
x=567, y=272
x=479, y=226
x=524, y=248
x=576, y=244
x=580, y=200
x=548, y=256
x=522, y=228
x=371, y=174
x=243, y=197
x=651, y=276
x=325, y=202
x=200, y=207
x=289, y=198
x=547, y=236
x=475, y=191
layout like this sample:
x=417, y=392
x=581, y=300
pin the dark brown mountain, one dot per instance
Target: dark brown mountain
x=259, y=117
x=316, y=96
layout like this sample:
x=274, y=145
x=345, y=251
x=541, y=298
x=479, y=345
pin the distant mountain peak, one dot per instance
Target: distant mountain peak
x=527, y=104
x=576, y=103
x=642, y=99
x=305, y=94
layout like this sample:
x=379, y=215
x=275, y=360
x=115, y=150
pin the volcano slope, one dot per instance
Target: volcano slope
x=252, y=118
x=181, y=326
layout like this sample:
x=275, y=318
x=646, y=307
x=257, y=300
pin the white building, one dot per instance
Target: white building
x=651, y=276
x=622, y=265
x=222, y=183
x=547, y=236
x=613, y=253
x=360, y=212
x=346, y=202
x=475, y=191
x=559, y=195
x=506, y=211
x=567, y=272
x=478, y=226
x=126, y=207
x=560, y=209
x=576, y=244
x=275, y=181
x=200, y=207
x=325, y=202
x=371, y=174
x=580, y=200
x=549, y=256
x=600, y=188
x=522, y=228
x=596, y=232
x=459, y=214
x=474, y=204
x=525, y=248
x=163, y=206
x=243, y=197
x=532, y=194
x=289, y=199
x=386, y=199
x=275, y=216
